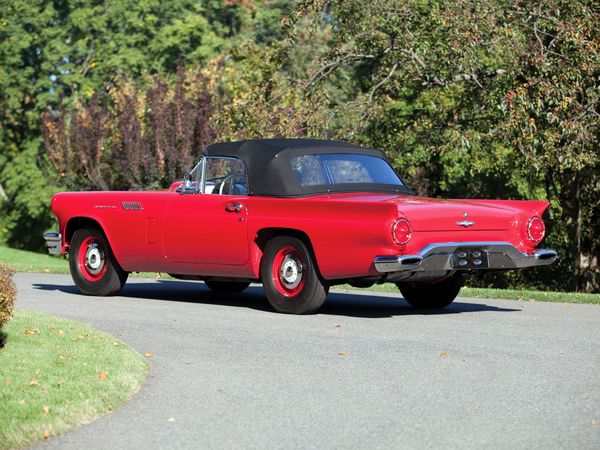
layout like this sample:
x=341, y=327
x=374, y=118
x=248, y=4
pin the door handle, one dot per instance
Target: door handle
x=233, y=207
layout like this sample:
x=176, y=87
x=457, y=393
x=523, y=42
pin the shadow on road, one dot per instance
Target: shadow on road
x=338, y=303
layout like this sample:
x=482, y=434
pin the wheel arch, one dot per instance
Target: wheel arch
x=264, y=235
x=79, y=222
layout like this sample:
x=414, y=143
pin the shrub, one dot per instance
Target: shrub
x=8, y=293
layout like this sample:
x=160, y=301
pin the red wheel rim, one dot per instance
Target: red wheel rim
x=287, y=271
x=91, y=259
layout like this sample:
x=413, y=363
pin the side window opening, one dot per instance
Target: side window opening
x=331, y=169
x=225, y=176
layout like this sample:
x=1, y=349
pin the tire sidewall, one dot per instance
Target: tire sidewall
x=113, y=277
x=313, y=292
x=432, y=296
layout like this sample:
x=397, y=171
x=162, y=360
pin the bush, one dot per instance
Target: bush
x=8, y=293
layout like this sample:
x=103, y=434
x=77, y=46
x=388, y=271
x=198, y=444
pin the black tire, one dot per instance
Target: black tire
x=94, y=268
x=298, y=289
x=226, y=287
x=431, y=295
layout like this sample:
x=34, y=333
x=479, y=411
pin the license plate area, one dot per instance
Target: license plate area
x=470, y=258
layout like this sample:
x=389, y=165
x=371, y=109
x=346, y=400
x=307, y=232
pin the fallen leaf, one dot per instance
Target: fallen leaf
x=562, y=353
x=102, y=375
x=34, y=383
x=149, y=355
x=46, y=409
x=338, y=326
x=7, y=382
x=32, y=331
x=52, y=327
x=443, y=354
x=115, y=343
x=342, y=353
x=21, y=402
x=46, y=435
x=171, y=419
x=61, y=333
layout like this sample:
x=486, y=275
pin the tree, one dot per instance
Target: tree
x=59, y=54
x=465, y=96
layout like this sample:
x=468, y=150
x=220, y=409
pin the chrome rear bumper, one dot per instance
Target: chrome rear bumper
x=54, y=242
x=465, y=256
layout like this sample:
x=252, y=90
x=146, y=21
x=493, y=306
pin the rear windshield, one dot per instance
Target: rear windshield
x=341, y=168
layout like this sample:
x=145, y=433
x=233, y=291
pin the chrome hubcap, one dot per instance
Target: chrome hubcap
x=291, y=271
x=94, y=258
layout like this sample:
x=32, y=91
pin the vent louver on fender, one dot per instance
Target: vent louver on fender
x=135, y=206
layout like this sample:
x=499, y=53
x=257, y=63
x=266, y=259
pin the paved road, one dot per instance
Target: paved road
x=233, y=374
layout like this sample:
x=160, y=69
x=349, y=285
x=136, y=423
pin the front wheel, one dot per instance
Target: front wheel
x=290, y=278
x=431, y=295
x=94, y=268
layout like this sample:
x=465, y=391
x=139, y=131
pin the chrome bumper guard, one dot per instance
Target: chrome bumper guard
x=465, y=256
x=54, y=242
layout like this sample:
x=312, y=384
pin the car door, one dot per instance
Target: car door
x=210, y=227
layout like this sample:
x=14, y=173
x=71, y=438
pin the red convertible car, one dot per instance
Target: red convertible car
x=298, y=215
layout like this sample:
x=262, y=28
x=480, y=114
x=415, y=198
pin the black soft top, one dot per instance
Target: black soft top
x=268, y=162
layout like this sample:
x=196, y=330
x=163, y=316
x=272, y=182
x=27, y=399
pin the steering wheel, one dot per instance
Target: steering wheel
x=229, y=180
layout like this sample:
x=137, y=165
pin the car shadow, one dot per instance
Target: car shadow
x=371, y=305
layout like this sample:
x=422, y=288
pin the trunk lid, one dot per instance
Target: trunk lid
x=426, y=214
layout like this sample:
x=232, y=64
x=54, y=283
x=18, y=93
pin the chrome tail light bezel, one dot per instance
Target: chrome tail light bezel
x=394, y=228
x=529, y=223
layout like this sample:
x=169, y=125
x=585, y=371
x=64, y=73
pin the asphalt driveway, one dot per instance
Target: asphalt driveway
x=367, y=372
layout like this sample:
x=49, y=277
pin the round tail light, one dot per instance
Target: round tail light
x=401, y=231
x=536, y=229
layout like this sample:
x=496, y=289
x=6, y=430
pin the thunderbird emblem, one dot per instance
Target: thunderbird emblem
x=465, y=222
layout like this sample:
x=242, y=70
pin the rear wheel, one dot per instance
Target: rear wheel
x=94, y=268
x=226, y=287
x=290, y=278
x=431, y=295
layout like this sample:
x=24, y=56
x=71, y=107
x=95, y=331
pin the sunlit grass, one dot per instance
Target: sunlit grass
x=24, y=261
x=56, y=374
x=509, y=294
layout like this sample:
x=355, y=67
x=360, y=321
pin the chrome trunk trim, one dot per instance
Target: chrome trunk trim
x=54, y=242
x=438, y=257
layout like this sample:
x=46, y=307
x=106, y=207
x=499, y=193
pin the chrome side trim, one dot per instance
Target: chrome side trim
x=438, y=257
x=54, y=242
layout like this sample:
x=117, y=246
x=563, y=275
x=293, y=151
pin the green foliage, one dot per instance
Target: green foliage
x=62, y=54
x=468, y=99
x=482, y=99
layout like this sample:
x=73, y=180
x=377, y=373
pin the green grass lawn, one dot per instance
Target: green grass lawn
x=509, y=294
x=23, y=261
x=57, y=374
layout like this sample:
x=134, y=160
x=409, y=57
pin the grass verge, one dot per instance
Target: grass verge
x=23, y=261
x=508, y=294
x=57, y=374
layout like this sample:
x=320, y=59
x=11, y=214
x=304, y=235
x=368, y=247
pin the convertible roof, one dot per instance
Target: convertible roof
x=268, y=162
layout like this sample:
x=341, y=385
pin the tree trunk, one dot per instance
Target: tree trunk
x=570, y=201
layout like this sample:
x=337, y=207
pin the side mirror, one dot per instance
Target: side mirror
x=188, y=186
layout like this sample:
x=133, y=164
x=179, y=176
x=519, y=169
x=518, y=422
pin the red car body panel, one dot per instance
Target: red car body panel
x=165, y=231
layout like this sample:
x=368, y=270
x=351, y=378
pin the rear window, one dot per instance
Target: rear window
x=312, y=170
